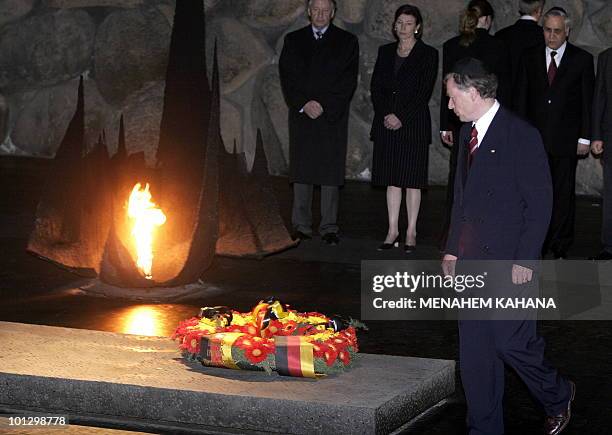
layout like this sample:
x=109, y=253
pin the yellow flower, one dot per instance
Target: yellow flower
x=292, y=316
x=206, y=322
x=313, y=320
x=240, y=319
x=322, y=336
x=206, y=326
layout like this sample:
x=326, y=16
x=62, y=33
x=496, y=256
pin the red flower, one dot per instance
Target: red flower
x=288, y=327
x=250, y=329
x=274, y=328
x=244, y=342
x=307, y=329
x=249, y=344
x=319, y=349
x=330, y=355
x=184, y=326
x=344, y=356
x=191, y=341
x=269, y=345
x=350, y=336
x=257, y=352
x=339, y=341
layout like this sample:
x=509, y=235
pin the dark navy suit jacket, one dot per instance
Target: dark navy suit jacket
x=503, y=202
x=561, y=111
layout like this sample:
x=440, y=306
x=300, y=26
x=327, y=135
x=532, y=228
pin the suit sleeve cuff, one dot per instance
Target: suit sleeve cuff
x=584, y=141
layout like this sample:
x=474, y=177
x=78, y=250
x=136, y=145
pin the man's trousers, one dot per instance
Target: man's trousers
x=485, y=346
x=301, y=218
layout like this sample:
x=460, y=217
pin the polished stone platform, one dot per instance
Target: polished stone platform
x=109, y=376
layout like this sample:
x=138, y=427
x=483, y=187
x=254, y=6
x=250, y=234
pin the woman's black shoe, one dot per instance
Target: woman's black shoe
x=386, y=246
x=409, y=248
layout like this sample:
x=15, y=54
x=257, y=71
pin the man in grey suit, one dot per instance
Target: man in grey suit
x=601, y=136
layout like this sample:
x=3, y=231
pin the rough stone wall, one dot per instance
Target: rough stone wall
x=121, y=48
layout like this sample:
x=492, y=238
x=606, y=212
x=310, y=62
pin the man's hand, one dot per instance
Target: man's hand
x=392, y=122
x=447, y=137
x=448, y=265
x=583, y=149
x=313, y=109
x=520, y=274
x=597, y=147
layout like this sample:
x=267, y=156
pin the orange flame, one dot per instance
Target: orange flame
x=146, y=216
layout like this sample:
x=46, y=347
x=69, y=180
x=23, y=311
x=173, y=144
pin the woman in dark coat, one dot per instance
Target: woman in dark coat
x=402, y=83
x=474, y=41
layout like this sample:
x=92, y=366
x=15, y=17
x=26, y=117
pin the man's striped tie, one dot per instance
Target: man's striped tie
x=473, y=144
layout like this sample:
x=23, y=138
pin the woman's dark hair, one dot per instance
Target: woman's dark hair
x=469, y=20
x=412, y=11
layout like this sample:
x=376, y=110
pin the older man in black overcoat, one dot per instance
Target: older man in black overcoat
x=318, y=71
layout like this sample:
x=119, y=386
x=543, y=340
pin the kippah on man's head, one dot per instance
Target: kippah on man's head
x=557, y=9
x=471, y=67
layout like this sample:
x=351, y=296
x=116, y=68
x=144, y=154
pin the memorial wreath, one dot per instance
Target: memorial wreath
x=271, y=337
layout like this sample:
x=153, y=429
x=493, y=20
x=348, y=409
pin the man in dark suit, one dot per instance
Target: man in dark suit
x=503, y=201
x=524, y=34
x=554, y=93
x=318, y=70
x=601, y=136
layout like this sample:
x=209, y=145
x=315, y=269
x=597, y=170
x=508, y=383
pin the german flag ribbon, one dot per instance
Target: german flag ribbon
x=294, y=356
x=217, y=349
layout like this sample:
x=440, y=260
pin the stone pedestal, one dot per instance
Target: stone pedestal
x=106, y=376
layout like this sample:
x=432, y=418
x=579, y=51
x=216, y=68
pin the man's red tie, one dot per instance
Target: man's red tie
x=473, y=144
x=552, y=68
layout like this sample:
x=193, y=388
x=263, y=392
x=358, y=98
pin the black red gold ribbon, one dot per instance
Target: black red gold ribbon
x=294, y=356
x=217, y=349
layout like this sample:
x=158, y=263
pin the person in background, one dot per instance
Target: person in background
x=554, y=92
x=474, y=41
x=524, y=34
x=601, y=137
x=318, y=69
x=402, y=83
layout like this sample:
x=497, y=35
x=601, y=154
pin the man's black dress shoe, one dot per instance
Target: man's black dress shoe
x=553, y=425
x=602, y=256
x=298, y=235
x=331, y=239
x=384, y=246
